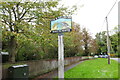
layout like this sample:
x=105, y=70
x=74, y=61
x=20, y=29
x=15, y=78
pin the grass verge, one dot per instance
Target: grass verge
x=97, y=68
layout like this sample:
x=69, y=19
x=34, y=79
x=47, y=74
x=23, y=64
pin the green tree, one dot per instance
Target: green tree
x=86, y=39
x=114, y=40
x=73, y=41
x=25, y=28
x=101, y=42
x=93, y=47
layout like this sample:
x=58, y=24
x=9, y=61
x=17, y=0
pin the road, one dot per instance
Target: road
x=117, y=59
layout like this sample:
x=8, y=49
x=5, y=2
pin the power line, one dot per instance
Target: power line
x=108, y=14
x=111, y=8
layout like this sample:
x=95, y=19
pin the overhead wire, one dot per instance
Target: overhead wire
x=107, y=15
x=111, y=8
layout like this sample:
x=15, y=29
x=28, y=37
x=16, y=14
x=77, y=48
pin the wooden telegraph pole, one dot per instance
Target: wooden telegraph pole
x=108, y=42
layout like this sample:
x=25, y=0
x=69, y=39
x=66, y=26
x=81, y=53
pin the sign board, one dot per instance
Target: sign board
x=61, y=24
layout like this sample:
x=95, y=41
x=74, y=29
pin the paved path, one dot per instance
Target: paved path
x=54, y=73
x=117, y=59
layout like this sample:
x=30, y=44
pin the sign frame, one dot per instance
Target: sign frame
x=65, y=20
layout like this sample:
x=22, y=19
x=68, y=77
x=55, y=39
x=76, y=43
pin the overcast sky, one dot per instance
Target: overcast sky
x=91, y=14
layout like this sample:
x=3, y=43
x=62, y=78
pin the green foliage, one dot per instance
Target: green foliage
x=73, y=41
x=114, y=41
x=89, y=43
x=102, y=42
x=29, y=24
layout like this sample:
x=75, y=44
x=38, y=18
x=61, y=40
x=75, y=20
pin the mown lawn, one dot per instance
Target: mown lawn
x=97, y=68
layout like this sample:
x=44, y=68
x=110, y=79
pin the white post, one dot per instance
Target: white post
x=60, y=57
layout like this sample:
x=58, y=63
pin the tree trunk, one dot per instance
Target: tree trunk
x=86, y=52
x=12, y=49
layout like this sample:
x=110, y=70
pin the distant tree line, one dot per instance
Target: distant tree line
x=102, y=42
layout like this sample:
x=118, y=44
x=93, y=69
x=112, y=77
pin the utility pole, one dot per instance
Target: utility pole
x=108, y=42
